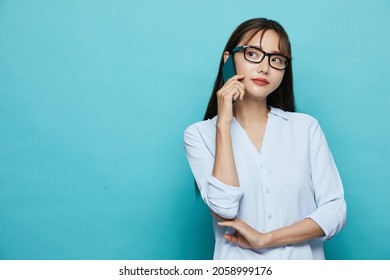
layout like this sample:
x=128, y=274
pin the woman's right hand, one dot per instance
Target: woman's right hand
x=232, y=90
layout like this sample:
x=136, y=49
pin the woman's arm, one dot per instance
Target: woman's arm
x=248, y=237
x=327, y=185
x=224, y=165
x=212, y=160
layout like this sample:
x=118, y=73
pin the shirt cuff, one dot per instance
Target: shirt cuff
x=223, y=199
x=330, y=218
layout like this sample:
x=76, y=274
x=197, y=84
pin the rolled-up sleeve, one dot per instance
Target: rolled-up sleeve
x=330, y=214
x=221, y=198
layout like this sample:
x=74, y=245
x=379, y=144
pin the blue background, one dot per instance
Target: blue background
x=95, y=95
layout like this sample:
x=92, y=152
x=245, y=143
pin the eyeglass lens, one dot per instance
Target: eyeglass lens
x=255, y=55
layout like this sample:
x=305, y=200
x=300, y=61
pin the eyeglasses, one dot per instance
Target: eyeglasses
x=256, y=55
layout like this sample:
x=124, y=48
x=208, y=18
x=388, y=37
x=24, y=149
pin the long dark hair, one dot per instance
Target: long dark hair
x=283, y=96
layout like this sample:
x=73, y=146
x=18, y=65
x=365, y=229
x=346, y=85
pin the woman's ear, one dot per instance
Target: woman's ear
x=225, y=56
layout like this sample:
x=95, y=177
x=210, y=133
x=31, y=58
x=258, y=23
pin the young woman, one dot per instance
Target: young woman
x=265, y=172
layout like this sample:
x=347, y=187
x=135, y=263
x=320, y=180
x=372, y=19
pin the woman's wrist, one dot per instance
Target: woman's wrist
x=223, y=123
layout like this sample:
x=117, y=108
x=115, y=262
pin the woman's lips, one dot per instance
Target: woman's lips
x=260, y=82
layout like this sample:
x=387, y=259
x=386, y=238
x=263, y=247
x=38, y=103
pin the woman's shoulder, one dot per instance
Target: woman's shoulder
x=202, y=127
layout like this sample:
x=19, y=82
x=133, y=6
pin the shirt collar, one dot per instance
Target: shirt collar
x=274, y=111
x=280, y=113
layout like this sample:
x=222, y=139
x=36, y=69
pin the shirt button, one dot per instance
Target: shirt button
x=269, y=216
x=261, y=166
x=267, y=190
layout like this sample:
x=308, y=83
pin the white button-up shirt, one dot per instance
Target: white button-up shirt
x=293, y=177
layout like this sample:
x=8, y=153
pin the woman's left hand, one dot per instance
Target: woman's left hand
x=246, y=236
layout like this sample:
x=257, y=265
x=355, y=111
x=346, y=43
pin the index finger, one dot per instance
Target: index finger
x=236, y=77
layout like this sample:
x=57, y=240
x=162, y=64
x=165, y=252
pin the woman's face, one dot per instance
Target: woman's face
x=260, y=79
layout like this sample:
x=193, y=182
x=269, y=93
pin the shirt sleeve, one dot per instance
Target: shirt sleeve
x=222, y=199
x=328, y=189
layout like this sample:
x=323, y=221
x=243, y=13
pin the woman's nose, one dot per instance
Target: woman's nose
x=263, y=66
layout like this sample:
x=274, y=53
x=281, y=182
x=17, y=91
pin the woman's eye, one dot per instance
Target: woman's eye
x=252, y=54
x=277, y=59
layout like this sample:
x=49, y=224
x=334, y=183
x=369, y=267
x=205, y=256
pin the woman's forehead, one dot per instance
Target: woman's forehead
x=261, y=37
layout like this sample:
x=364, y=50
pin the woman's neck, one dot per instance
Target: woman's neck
x=251, y=113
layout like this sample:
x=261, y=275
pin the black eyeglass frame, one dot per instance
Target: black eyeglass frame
x=243, y=48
